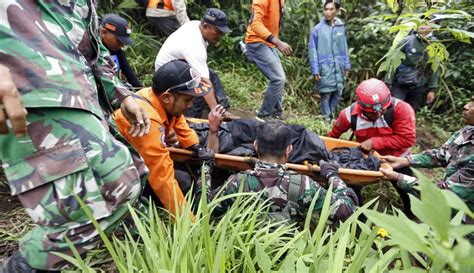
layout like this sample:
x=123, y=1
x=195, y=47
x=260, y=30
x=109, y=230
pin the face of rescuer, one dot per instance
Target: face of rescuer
x=468, y=112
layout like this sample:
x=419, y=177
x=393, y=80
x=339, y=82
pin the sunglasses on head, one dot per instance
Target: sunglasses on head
x=191, y=84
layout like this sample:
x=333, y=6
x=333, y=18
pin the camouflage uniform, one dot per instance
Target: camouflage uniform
x=457, y=156
x=274, y=180
x=66, y=78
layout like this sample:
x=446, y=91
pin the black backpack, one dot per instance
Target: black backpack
x=388, y=116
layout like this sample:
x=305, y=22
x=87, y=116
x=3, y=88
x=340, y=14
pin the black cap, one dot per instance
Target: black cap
x=217, y=18
x=119, y=27
x=181, y=78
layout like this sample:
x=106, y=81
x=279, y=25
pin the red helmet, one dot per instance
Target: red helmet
x=373, y=95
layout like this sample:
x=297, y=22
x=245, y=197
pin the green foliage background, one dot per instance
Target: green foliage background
x=367, y=22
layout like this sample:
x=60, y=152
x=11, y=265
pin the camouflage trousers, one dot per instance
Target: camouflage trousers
x=67, y=152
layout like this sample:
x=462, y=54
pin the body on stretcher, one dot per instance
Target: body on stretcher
x=241, y=163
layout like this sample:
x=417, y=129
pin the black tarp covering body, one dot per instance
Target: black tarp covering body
x=237, y=137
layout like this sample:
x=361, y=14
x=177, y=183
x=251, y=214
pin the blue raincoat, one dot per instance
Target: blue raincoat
x=329, y=55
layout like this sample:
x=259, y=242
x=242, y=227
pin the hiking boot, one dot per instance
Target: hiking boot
x=327, y=120
x=280, y=116
x=265, y=118
x=228, y=116
x=262, y=118
x=16, y=263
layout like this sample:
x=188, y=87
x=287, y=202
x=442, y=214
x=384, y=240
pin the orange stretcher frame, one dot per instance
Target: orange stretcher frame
x=240, y=163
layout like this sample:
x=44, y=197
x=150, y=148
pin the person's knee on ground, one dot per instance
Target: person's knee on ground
x=93, y=182
x=185, y=181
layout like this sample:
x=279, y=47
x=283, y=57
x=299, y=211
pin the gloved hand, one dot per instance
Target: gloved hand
x=204, y=155
x=328, y=169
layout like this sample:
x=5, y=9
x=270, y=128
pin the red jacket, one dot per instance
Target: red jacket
x=395, y=140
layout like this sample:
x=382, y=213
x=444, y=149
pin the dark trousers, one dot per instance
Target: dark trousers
x=403, y=195
x=184, y=182
x=199, y=104
x=164, y=26
x=416, y=97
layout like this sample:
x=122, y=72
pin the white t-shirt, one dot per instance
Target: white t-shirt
x=186, y=43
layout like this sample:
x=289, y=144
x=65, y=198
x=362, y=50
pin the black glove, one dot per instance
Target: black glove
x=328, y=169
x=204, y=155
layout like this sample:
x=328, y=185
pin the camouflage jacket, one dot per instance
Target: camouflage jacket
x=53, y=51
x=274, y=180
x=457, y=156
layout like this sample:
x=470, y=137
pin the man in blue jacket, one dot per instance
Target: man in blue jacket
x=329, y=58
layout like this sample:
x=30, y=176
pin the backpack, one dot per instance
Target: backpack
x=290, y=212
x=388, y=116
x=408, y=75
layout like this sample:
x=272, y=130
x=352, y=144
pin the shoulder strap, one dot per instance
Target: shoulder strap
x=409, y=43
x=389, y=114
x=353, y=122
x=141, y=98
x=242, y=177
x=294, y=185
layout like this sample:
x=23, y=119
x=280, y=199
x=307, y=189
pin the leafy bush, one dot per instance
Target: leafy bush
x=243, y=241
x=440, y=241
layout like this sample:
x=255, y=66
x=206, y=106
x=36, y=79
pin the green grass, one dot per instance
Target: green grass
x=243, y=241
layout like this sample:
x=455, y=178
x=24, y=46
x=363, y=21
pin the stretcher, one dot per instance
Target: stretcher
x=241, y=163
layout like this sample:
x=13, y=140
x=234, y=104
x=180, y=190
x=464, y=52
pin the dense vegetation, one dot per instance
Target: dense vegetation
x=370, y=37
x=243, y=242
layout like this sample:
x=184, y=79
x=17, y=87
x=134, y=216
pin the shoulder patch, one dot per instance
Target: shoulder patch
x=163, y=135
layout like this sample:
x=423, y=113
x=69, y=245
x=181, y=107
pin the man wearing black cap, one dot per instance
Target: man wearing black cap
x=115, y=33
x=175, y=84
x=189, y=43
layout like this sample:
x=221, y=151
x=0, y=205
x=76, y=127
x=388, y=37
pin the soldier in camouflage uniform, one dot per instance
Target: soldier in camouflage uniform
x=456, y=155
x=59, y=147
x=271, y=175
